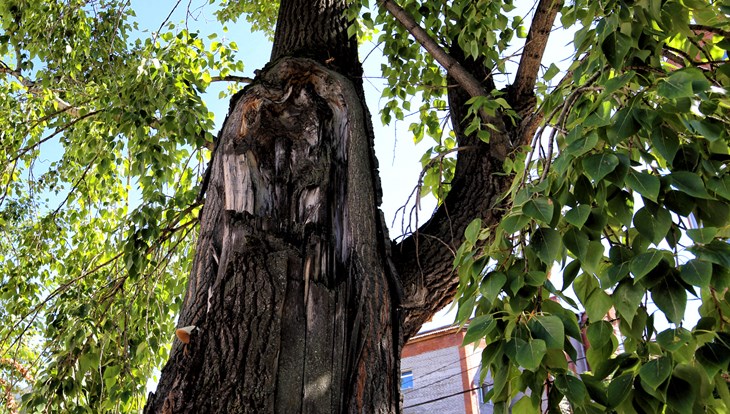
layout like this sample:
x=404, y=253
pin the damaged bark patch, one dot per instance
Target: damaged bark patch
x=290, y=288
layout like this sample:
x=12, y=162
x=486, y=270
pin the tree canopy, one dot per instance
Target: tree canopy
x=621, y=185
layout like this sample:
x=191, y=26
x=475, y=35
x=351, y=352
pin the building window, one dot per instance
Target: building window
x=406, y=380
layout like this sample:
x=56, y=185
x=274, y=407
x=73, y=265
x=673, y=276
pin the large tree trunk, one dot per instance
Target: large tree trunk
x=299, y=304
x=291, y=293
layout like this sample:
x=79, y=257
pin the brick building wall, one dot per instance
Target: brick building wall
x=442, y=374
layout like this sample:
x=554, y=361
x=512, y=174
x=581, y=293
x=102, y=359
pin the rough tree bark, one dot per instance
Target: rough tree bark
x=291, y=292
x=295, y=291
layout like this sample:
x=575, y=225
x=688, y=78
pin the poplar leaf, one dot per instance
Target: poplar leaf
x=671, y=298
x=530, y=354
x=599, y=165
x=541, y=209
x=643, y=183
x=655, y=372
x=548, y=328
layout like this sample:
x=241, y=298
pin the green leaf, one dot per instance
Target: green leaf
x=624, y=126
x=584, y=285
x=492, y=285
x=582, y=145
x=655, y=372
x=626, y=298
x=535, y=278
x=673, y=339
x=570, y=271
x=546, y=243
x=525, y=405
x=541, y=209
x=599, y=165
x=551, y=72
x=578, y=215
x=644, y=263
x=653, y=226
x=665, y=141
x=712, y=212
x=615, y=47
x=521, y=32
x=466, y=308
x=479, y=328
x=689, y=183
x=529, y=354
x=572, y=387
x=715, y=355
x=703, y=235
x=717, y=252
x=514, y=223
x=594, y=257
x=619, y=389
x=599, y=334
x=491, y=352
x=671, y=298
x=683, y=388
x=708, y=128
x=721, y=187
x=577, y=242
x=643, y=183
x=472, y=230
x=597, y=305
x=683, y=83
x=548, y=328
x=696, y=273
x=111, y=375
x=620, y=257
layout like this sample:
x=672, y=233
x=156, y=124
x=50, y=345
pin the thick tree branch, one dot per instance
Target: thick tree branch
x=424, y=264
x=425, y=259
x=452, y=66
x=535, y=44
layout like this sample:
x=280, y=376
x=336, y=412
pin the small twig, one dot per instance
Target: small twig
x=710, y=29
x=75, y=186
x=157, y=33
x=561, y=119
x=231, y=78
x=707, y=55
x=56, y=132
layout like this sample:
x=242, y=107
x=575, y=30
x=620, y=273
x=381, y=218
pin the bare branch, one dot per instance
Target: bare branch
x=454, y=68
x=710, y=29
x=535, y=45
x=231, y=78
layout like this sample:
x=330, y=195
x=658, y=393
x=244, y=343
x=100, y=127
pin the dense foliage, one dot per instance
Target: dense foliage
x=625, y=191
x=101, y=151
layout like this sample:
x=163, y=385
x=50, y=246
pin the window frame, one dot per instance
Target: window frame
x=406, y=380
